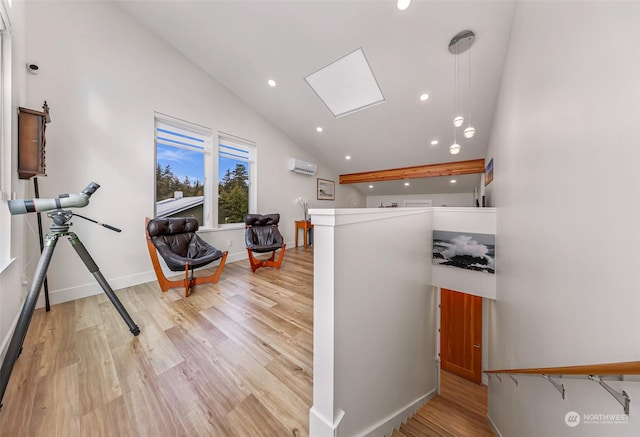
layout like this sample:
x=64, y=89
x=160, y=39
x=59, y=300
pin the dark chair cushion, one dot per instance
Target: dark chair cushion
x=178, y=244
x=261, y=220
x=262, y=234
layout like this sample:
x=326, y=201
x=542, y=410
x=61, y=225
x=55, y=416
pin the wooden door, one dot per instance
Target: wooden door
x=461, y=334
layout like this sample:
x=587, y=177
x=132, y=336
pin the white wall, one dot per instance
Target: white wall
x=103, y=77
x=450, y=199
x=374, y=334
x=566, y=189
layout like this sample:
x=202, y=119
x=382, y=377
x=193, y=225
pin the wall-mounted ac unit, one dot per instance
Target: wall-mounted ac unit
x=300, y=166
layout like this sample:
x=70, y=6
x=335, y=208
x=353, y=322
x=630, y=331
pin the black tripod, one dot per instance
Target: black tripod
x=59, y=228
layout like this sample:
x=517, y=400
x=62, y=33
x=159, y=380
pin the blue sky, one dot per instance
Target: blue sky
x=189, y=163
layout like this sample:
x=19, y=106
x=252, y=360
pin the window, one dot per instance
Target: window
x=236, y=178
x=5, y=138
x=183, y=163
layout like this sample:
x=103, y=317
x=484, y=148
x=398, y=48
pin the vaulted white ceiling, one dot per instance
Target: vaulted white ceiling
x=242, y=44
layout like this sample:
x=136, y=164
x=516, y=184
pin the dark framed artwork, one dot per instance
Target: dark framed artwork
x=326, y=189
x=465, y=250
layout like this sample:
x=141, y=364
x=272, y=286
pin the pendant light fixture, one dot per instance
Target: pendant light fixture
x=459, y=119
x=469, y=131
x=454, y=148
x=461, y=42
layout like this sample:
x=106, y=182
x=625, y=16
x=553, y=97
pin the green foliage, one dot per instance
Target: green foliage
x=233, y=191
x=167, y=183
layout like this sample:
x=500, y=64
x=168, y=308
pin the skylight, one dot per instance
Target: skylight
x=346, y=85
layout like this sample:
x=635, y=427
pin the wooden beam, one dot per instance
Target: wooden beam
x=419, y=171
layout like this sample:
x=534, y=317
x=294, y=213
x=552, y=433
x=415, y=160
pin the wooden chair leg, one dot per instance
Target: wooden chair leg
x=187, y=283
x=211, y=279
x=269, y=262
x=277, y=263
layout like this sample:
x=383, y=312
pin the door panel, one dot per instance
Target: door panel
x=461, y=334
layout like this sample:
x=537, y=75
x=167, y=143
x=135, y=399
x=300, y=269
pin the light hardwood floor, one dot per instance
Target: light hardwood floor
x=232, y=359
x=460, y=410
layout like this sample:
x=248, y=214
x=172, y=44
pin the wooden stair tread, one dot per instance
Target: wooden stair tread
x=459, y=411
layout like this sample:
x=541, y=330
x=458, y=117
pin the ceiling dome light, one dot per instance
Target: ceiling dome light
x=434, y=142
x=271, y=83
x=347, y=157
x=469, y=132
x=370, y=186
x=454, y=149
x=424, y=97
x=319, y=129
x=406, y=184
x=403, y=4
x=453, y=181
x=458, y=121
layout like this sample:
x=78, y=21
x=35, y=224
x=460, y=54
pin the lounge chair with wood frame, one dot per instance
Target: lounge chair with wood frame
x=262, y=236
x=175, y=239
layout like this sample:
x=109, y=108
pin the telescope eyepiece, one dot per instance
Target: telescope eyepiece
x=91, y=188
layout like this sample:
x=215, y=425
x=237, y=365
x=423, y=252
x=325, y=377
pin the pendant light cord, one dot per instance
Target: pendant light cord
x=469, y=87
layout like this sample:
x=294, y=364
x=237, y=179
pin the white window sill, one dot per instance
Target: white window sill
x=5, y=263
x=232, y=227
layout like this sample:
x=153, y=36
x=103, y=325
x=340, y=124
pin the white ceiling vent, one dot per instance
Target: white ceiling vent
x=303, y=167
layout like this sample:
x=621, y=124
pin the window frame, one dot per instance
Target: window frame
x=230, y=140
x=208, y=135
x=211, y=168
x=5, y=138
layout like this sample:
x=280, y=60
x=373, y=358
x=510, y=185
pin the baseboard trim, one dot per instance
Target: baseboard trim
x=7, y=338
x=78, y=292
x=386, y=426
x=320, y=426
x=493, y=426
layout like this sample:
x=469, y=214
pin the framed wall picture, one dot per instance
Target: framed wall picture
x=326, y=189
x=465, y=250
x=488, y=173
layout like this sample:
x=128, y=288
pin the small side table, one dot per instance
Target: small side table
x=306, y=227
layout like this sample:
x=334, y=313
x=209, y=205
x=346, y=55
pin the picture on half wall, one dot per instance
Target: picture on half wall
x=465, y=250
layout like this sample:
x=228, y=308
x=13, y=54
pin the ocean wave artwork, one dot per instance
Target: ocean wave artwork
x=465, y=250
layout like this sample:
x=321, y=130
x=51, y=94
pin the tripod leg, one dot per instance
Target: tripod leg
x=15, y=346
x=93, y=268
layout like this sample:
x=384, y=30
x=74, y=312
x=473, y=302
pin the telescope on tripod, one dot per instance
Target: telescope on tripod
x=59, y=228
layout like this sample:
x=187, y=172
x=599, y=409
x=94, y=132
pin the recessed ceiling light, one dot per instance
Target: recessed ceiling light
x=434, y=142
x=453, y=181
x=347, y=157
x=319, y=129
x=406, y=184
x=424, y=97
x=370, y=186
x=403, y=4
x=271, y=82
